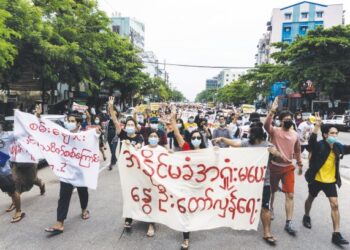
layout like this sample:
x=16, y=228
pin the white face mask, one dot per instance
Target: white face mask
x=70, y=126
x=97, y=121
x=154, y=126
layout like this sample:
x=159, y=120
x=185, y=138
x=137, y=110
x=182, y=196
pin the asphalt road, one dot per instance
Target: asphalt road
x=104, y=230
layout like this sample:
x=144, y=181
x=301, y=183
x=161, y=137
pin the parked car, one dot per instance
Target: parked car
x=262, y=112
x=341, y=122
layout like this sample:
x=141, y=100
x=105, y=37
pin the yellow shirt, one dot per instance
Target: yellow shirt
x=193, y=124
x=326, y=174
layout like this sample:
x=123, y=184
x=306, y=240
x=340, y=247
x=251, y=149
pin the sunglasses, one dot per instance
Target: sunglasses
x=196, y=137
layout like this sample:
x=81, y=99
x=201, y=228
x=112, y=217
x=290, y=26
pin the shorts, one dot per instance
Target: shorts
x=284, y=174
x=7, y=185
x=266, y=197
x=329, y=189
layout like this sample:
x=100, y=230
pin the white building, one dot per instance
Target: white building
x=295, y=20
x=151, y=63
x=130, y=28
x=227, y=76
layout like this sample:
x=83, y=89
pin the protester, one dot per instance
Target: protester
x=7, y=184
x=205, y=130
x=196, y=142
x=304, y=130
x=73, y=125
x=257, y=138
x=323, y=174
x=128, y=134
x=97, y=124
x=191, y=125
x=298, y=118
x=286, y=140
x=112, y=137
x=154, y=126
x=233, y=126
x=222, y=131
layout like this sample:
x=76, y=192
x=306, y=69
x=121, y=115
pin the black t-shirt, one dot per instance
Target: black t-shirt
x=134, y=140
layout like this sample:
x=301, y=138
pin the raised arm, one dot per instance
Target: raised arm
x=113, y=115
x=313, y=136
x=268, y=122
x=180, y=140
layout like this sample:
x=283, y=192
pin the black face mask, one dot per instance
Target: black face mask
x=287, y=124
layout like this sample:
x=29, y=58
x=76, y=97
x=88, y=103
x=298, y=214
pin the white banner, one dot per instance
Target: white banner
x=194, y=190
x=79, y=108
x=74, y=157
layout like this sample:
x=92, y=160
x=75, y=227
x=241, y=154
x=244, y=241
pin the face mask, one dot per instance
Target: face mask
x=191, y=120
x=222, y=124
x=97, y=121
x=179, y=125
x=154, y=126
x=130, y=130
x=277, y=123
x=70, y=126
x=84, y=116
x=331, y=139
x=196, y=143
x=104, y=111
x=191, y=129
x=153, y=141
x=287, y=124
x=298, y=117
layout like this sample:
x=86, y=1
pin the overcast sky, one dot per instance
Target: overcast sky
x=202, y=32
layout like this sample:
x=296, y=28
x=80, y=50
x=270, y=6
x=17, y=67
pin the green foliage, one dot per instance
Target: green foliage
x=236, y=92
x=322, y=56
x=207, y=95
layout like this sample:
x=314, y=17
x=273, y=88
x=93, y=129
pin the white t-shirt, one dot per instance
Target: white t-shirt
x=304, y=130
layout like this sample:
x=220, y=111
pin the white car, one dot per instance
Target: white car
x=341, y=122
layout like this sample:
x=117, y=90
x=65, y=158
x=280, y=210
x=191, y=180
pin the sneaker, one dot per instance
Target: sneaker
x=290, y=228
x=338, y=239
x=307, y=221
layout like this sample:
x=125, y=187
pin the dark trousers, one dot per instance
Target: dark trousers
x=186, y=235
x=113, y=147
x=66, y=191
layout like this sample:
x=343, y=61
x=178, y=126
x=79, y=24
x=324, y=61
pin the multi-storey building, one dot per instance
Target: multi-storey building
x=295, y=20
x=227, y=76
x=130, y=28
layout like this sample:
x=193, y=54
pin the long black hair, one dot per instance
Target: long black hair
x=256, y=133
x=202, y=145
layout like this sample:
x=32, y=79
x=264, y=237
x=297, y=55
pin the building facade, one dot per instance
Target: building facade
x=296, y=20
x=130, y=28
x=227, y=76
x=212, y=83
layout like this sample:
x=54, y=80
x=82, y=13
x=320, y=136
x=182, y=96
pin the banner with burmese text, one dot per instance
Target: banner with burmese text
x=193, y=190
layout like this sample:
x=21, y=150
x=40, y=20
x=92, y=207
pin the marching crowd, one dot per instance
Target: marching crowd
x=177, y=127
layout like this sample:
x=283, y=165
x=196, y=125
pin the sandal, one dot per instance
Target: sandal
x=127, y=225
x=185, y=245
x=85, y=215
x=18, y=218
x=53, y=231
x=270, y=240
x=11, y=208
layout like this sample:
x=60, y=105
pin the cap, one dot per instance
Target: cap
x=312, y=119
x=153, y=120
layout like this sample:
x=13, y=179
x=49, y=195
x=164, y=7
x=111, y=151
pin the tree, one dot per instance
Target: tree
x=7, y=50
x=236, y=92
x=322, y=56
x=207, y=95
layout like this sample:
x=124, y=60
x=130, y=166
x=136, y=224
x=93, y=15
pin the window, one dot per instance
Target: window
x=319, y=14
x=287, y=29
x=288, y=16
x=304, y=14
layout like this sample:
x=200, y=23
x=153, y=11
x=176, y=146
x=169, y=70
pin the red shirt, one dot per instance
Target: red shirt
x=186, y=146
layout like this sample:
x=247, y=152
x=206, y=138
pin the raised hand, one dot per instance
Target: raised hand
x=111, y=101
x=274, y=105
x=318, y=119
x=38, y=109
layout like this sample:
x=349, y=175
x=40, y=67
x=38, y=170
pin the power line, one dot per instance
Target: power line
x=200, y=66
